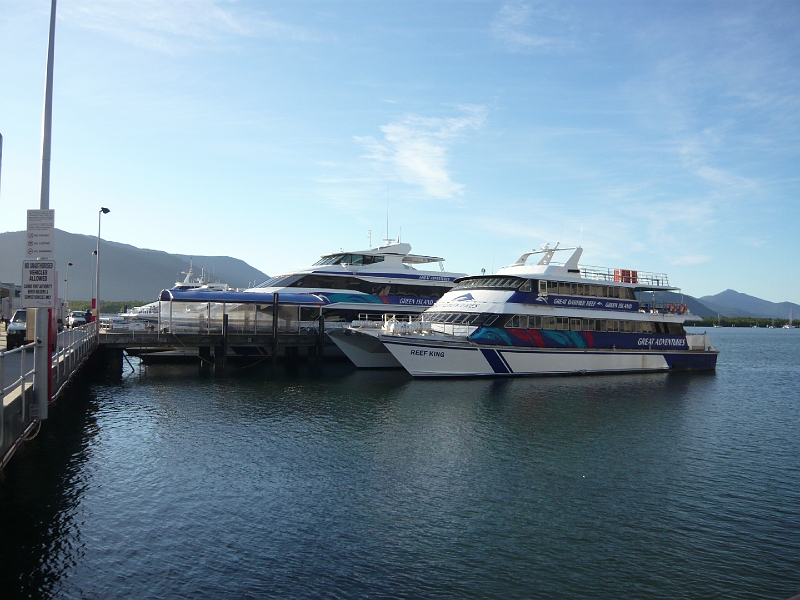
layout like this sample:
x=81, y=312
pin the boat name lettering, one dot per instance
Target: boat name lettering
x=598, y=304
x=587, y=303
x=459, y=305
x=435, y=278
x=431, y=353
x=662, y=341
x=417, y=301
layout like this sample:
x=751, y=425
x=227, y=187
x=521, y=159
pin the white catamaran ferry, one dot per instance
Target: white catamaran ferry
x=367, y=284
x=539, y=319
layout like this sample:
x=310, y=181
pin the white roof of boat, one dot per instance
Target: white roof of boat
x=397, y=249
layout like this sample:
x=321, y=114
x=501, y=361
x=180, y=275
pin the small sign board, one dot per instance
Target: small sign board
x=38, y=284
x=40, y=238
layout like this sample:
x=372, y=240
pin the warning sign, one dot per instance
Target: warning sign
x=38, y=284
x=39, y=241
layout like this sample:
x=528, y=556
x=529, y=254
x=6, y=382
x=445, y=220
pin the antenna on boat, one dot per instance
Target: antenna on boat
x=369, y=237
x=388, y=240
x=581, y=241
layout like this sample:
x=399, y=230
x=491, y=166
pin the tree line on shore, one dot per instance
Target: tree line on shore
x=736, y=322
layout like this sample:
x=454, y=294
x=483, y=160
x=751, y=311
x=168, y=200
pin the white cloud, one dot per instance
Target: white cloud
x=519, y=26
x=691, y=259
x=174, y=26
x=414, y=149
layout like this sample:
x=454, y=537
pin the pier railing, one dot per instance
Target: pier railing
x=19, y=409
x=19, y=360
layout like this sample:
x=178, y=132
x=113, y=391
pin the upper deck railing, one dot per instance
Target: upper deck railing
x=625, y=276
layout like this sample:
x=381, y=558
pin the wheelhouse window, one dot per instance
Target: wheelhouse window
x=504, y=283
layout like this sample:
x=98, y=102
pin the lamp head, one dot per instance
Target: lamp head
x=105, y=210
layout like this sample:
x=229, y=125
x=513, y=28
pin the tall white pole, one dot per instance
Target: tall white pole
x=42, y=352
x=47, y=122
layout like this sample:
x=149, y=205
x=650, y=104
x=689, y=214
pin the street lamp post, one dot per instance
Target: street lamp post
x=66, y=286
x=96, y=300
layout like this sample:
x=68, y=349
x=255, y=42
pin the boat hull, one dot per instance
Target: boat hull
x=437, y=359
x=364, y=351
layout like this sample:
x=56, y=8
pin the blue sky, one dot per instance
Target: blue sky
x=662, y=136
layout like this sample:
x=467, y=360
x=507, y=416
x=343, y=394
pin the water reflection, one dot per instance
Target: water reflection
x=40, y=500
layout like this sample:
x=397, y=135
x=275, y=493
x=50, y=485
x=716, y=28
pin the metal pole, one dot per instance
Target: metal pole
x=42, y=354
x=1, y=156
x=97, y=271
x=47, y=125
x=66, y=286
x=274, y=326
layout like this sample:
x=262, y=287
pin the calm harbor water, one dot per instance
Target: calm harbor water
x=341, y=484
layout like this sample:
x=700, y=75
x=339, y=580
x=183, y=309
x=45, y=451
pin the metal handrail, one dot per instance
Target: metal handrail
x=624, y=276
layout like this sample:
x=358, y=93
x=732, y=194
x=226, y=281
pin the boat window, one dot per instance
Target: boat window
x=542, y=286
x=563, y=288
x=334, y=259
x=588, y=324
x=600, y=325
x=647, y=327
x=588, y=289
x=612, y=325
x=552, y=287
x=575, y=324
x=490, y=320
x=280, y=281
x=573, y=289
x=625, y=326
x=548, y=322
x=534, y=322
x=526, y=287
x=489, y=282
x=370, y=260
x=675, y=329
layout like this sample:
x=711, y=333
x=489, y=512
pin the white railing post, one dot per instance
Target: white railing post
x=22, y=375
x=2, y=399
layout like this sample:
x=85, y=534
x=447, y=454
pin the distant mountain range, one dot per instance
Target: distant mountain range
x=731, y=303
x=126, y=272
x=130, y=273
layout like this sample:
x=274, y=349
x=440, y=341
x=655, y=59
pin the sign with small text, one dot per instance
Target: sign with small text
x=40, y=237
x=38, y=284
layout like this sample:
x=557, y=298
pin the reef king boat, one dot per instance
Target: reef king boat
x=539, y=319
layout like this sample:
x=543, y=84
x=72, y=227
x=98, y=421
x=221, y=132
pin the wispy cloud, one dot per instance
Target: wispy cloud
x=415, y=149
x=691, y=259
x=523, y=27
x=175, y=26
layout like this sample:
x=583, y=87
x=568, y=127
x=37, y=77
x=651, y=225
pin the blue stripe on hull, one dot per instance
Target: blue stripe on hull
x=495, y=361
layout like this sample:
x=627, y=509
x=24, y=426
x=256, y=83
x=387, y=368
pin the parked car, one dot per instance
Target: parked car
x=16, y=331
x=76, y=318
